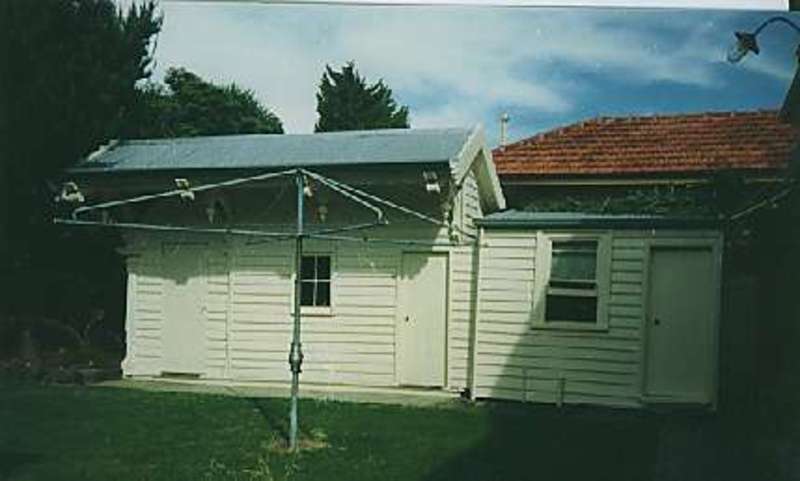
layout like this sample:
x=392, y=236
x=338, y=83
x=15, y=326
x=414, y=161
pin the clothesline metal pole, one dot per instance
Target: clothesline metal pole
x=295, y=351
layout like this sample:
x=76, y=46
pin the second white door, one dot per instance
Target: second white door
x=184, y=320
x=421, y=340
x=681, y=333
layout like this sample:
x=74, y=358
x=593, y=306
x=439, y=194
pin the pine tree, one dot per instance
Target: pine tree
x=346, y=102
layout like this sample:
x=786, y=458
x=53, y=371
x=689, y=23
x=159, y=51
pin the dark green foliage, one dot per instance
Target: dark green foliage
x=69, y=69
x=346, y=102
x=725, y=194
x=660, y=200
x=190, y=106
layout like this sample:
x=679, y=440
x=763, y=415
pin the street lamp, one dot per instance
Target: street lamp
x=746, y=41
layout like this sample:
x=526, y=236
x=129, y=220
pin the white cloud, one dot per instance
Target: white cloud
x=467, y=62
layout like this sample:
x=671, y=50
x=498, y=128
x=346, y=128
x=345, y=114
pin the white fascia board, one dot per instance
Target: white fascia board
x=493, y=179
x=475, y=150
x=776, y=5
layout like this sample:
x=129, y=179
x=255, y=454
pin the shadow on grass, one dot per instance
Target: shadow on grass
x=276, y=421
x=11, y=462
x=543, y=442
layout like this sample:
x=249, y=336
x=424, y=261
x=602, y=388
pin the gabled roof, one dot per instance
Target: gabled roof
x=460, y=150
x=272, y=151
x=648, y=145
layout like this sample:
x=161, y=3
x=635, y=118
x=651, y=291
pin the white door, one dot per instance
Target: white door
x=680, y=345
x=422, y=321
x=183, y=331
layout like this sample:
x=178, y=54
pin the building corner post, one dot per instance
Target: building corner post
x=476, y=311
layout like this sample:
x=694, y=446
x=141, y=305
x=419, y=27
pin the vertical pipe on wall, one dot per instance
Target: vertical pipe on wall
x=295, y=352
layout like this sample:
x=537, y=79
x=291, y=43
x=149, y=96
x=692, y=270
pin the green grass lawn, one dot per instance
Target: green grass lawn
x=85, y=433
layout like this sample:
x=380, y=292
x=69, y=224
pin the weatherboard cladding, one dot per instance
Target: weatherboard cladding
x=518, y=362
x=247, y=305
x=273, y=151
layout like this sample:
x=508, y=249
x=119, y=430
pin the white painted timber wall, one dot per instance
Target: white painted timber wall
x=144, y=314
x=517, y=361
x=248, y=302
x=463, y=289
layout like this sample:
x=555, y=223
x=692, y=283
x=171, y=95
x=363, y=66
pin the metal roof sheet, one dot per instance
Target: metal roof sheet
x=514, y=218
x=387, y=146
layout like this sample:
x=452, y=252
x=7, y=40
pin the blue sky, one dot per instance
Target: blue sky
x=465, y=65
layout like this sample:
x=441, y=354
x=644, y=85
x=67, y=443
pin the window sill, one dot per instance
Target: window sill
x=569, y=326
x=315, y=311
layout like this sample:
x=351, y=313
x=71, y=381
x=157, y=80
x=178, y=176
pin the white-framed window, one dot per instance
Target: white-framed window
x=315, y=281
x=572, y=281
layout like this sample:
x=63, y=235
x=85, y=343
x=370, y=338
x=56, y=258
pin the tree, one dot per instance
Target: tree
x=190, y=106
x=346, y=102
x=69, y=70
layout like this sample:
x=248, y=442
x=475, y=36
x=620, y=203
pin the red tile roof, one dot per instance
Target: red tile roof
x=651, y=145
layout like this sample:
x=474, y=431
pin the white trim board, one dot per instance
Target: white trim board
x=778, y=5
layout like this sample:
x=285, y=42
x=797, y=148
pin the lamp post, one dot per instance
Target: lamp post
x=746, y=42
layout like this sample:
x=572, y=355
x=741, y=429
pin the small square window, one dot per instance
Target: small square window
x=315, y=281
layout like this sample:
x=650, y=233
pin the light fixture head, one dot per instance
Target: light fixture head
x=217, y=212
x=211, y=212
x=431, y=181
x=183, y=185
x=308, y=189
x=745, y=43
x=322, y=211
x=70, y=193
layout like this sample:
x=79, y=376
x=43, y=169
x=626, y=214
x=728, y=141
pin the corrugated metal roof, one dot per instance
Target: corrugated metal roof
x=513, y=218
x=388, y=146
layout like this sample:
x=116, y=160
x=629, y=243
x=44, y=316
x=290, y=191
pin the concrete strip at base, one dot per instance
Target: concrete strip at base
x=399, y=396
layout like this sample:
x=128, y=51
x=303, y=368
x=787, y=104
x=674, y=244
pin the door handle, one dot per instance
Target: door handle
x=406, y=318
x=656, y=321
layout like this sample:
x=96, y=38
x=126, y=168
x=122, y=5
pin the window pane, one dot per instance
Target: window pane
x=307, y=293
x=571, y=308
x=323, y=294
x=323, y=267
x=307, y=267
x=567, y=284
x=574, y=260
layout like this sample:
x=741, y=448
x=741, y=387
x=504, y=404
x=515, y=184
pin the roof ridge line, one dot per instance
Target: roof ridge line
x=399, y=131
x=600, y=119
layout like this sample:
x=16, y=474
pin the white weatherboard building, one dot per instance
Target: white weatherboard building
x=616, y=310
x=532, y=307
